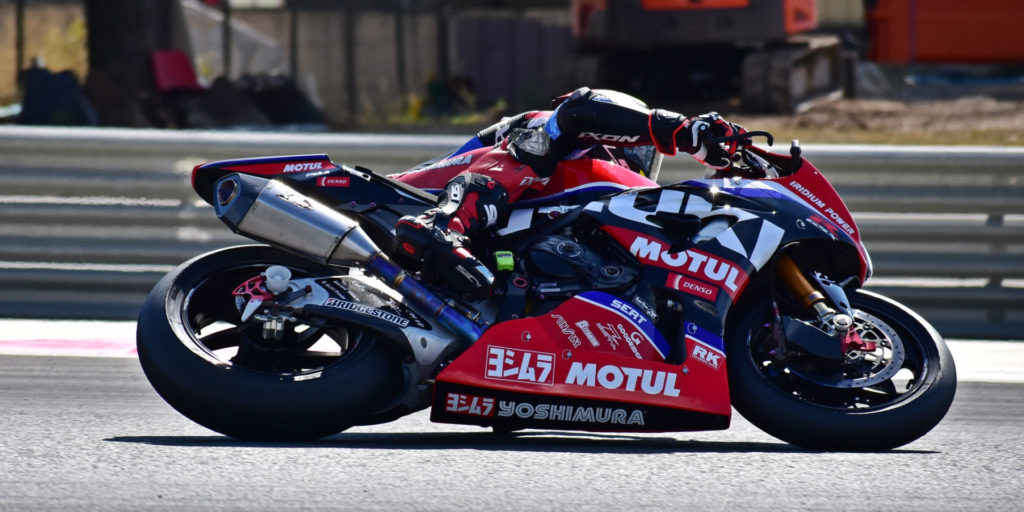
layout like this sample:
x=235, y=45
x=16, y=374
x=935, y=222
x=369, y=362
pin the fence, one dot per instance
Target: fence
x=91, y=218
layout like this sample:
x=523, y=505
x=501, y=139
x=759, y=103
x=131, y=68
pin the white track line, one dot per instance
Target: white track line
x=976, y=360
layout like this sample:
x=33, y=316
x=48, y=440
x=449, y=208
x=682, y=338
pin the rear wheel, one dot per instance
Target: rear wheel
x=874, y=400
x=316, y=380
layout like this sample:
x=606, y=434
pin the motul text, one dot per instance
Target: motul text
x=692, y=262
x=609, y=376
x=304, y=166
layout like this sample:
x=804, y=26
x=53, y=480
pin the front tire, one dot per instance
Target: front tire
x=903, y=392
x=219, y=372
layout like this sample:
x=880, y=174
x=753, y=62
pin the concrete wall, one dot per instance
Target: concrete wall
x=323, y=65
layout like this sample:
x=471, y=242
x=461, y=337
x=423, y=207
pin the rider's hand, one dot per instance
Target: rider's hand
x=719, y=127
x=694, y=136
x=703, y=130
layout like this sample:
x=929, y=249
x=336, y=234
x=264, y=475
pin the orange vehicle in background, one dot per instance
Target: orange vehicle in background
x=982, y=31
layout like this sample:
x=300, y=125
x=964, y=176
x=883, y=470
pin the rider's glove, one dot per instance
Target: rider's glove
x=670, y=131
x=719, y=127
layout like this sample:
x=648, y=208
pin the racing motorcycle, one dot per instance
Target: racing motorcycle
x=619, y=305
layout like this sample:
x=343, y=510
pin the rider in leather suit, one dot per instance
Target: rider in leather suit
x=436, y=241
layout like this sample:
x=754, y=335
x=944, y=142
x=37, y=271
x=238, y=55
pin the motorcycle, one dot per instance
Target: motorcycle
x=619, y=305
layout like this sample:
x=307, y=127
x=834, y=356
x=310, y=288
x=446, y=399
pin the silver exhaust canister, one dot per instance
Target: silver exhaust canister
x=271, y=211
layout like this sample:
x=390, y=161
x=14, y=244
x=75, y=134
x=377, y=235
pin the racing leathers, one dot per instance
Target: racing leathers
x=436, y=242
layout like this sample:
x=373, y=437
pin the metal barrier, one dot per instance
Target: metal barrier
x=90, y=219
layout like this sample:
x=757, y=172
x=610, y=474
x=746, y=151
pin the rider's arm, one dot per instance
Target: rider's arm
x=588, y=116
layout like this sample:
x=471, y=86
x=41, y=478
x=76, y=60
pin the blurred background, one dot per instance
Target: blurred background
x=933, y=71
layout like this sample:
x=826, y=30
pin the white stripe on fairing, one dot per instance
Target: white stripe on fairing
x=518, y=220
x=670, y=201
x=767, y=241
x=596, y=184
x=729, y=240
x=696, y=205
x=624, y=205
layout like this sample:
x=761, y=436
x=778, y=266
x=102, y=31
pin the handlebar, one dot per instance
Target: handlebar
x=750, y=164
x=744, y=137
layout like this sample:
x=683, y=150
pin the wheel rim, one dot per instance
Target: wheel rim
x=211, y=319
x=862, y=380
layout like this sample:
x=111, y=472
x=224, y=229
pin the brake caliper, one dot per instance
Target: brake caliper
x=852, y=341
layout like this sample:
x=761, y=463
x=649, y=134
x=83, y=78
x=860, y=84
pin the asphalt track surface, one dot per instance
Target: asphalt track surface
x=88, y=433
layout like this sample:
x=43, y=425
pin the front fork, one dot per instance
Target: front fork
x=834, y=323
x=813, y=298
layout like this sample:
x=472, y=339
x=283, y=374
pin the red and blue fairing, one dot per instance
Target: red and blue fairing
x=594, y=363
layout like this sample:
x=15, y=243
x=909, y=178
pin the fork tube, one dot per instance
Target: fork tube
x=797, y=283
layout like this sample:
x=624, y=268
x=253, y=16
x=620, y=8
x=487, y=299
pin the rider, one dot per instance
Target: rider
x=436, y=241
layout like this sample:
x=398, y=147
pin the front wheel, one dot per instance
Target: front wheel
x=313, y=381
x=866, y=402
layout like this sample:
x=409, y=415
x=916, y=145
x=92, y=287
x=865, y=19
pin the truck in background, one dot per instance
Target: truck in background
x=763, y=51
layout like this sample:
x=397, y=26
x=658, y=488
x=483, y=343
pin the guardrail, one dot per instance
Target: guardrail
x=91, y=218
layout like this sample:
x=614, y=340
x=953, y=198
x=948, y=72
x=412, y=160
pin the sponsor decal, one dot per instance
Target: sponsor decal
x=333, y=181
x=691, y=286
x=638, y=331
x=303, y=166
x=630, y=312
x=471, y=405
x=706, y=355
x=823, y=207
x=823, y=225
x=838, y=219
x=570, y=413
x=612, y=334
x=616, y=334
x=584, y=327
x=530, y=180
x=296, y=200
x=608, y=137
x=648, y=310
x=807, y=194
x=633, y=341
x=455, y=160
x=518, y=365
x=691, y=262
x=367, y=311
x=610, y=376
x=567, y=331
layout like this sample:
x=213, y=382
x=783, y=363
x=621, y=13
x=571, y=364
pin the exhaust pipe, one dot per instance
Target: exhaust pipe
x=272, y=212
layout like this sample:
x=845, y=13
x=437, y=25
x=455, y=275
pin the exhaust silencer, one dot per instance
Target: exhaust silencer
x=270, y=211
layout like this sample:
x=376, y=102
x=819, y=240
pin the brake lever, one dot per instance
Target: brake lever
x=744, y=136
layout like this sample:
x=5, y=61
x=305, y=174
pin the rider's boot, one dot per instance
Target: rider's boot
x=435, y=242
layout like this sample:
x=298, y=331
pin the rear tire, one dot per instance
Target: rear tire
x=273, y=393
x=782, y=400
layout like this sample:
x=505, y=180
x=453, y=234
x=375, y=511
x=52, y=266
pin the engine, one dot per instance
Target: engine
x=558, y=265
